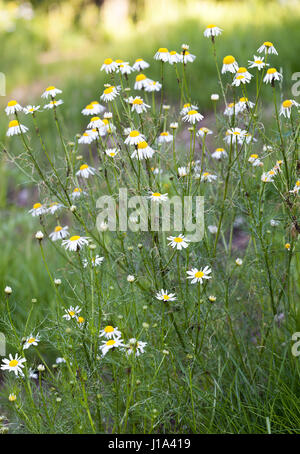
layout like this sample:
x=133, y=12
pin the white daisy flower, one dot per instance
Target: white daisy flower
x=234, y=135
x=51, y=91
x=59, y=233
x=245, y=104
x=165, y=137
x=141, y=81
x=140, y=64
x=110, y=93
x=38, y=209
x=267, y=48
x=53, y=207
x=186, y=57
x=286, y=107
x=268, y=177
x=163, y=295
x=243, y=71
x=212, y=229
x=212, y=30
x=296, y=188
x=95, y=122
x=174, y=57
x=162, y=54
x=255, y=161
x=72, y=312
x=53, y=104
x=202, y=132
x=186, y=109
x=152, y=85
x=85, y=171
x=32, y=374
x=179, y=242
x=109, y=332
x=87, y=137
x=134, y=137
x=30, y=109
x=272, y=75
x=193, y=116
x=219, y=153
x=240, y=79
x=138, y=105
x=31, y=340
x=182, y=172
x=125, y=68
x=14, y=364
x=229, y=64
x=94, y=108
x=15, y=128
x=12, y=107
x=75, y=243
x=207, y=176
x=231, y=109
x=112, y=152
x=257, y=62
x=95, y=261
x=158, y=197
x=77, y=192
x=143, y=151
x=199, y=275
x=109, y=66
x=135, y=347
x=108, y=345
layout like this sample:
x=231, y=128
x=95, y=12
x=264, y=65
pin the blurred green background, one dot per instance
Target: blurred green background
x=65, y=42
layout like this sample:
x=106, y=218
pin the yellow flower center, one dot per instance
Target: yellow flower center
x=58, y=228
x=186, y=105
x=110, y=342
x=89, y=106
x=199, y=274
x=142, y=144
x=12, y=103
x=95, y=119
x=108, y=61
x=163, y=50
x=36, y=206
x=298, y=183
x=287, y=103
x=258, y=62
x=108, y=90
x=74, y=238
x=192, y=112
x=138, y=60
x=134, y=133
x=13, y=123
x=219, y=149
x=206, y=174
x=210, y=26
x=138, y=101
x=156, y=194
x=268, y=44
x=164, y=133
x=31, y=340
x=77, y=190
x=13, y=363
x=173, y=52
x=243, y=99
x=272, y=71
x=241, y=70
x=84, y=166
x=166, y=297
x=119, y=61
x=80, y=320
x=231, y=104
x=112, y=154
x=178, y=239
x=228, y=60
x=287, y=245
x=140, y=77
x=72, y=313
x=109, y=329
x=50, y=88
x=254, y=156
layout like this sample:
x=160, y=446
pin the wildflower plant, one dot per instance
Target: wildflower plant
x=130, y=333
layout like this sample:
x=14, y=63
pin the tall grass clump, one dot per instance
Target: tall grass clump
x=186, y=329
